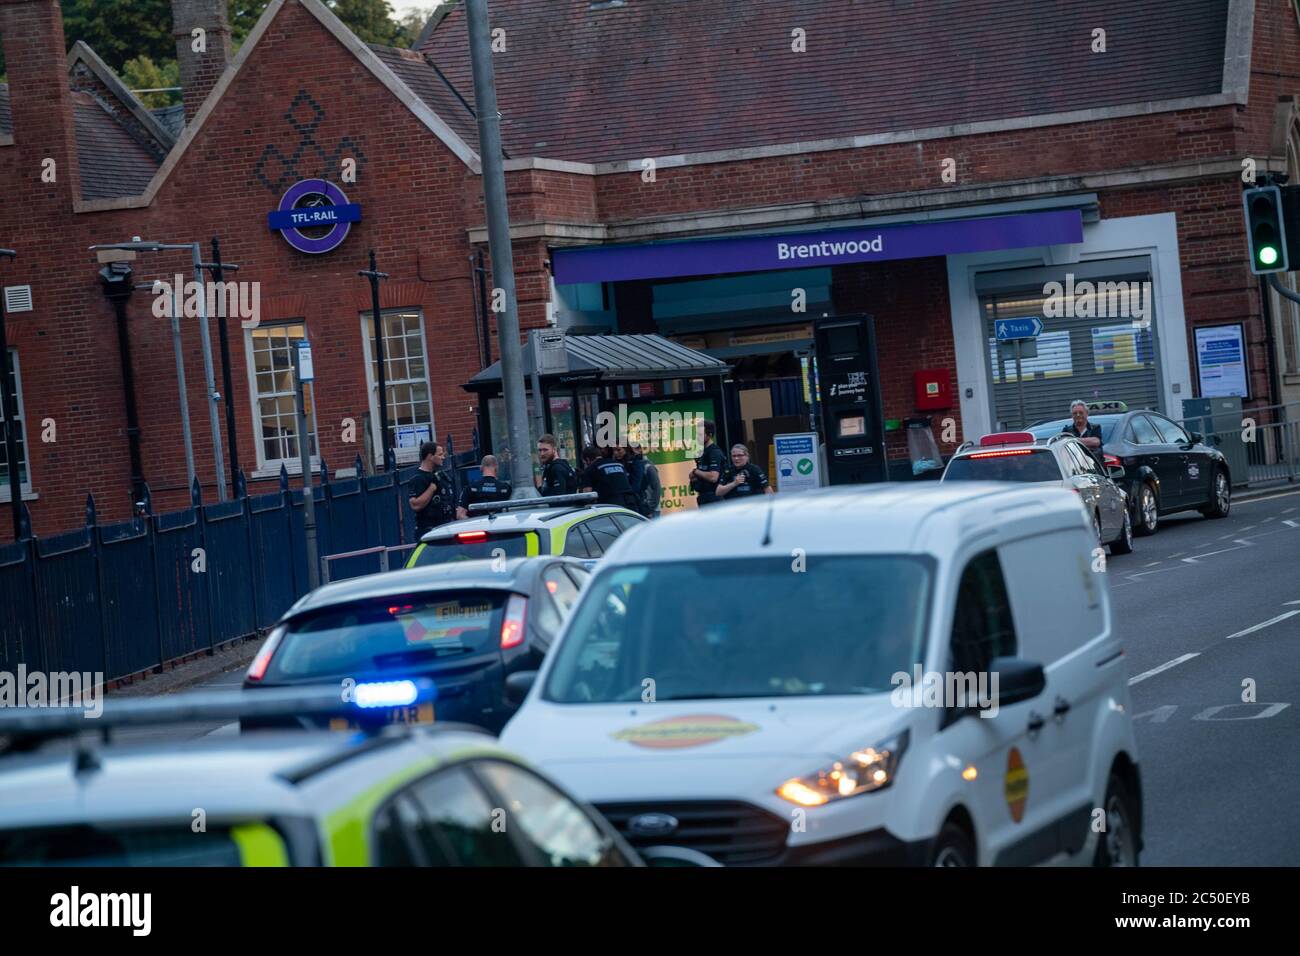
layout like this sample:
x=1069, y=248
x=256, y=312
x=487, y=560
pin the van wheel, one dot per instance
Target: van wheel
x=1118, y=846
x=952, y=847
x=1148, y=510
x=1221, y=502
x=1124, y=543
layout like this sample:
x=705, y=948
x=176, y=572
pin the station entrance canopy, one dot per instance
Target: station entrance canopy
x=693, y=257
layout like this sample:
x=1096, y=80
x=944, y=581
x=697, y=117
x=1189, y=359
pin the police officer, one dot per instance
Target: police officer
x=708, y=468
x=558, y=477
x=608, y=478
x=486, y=488
x=430, y=491
x=742, y=478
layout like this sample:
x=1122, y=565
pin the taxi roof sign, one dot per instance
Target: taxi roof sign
x=1008, y=438
x=1107, y=406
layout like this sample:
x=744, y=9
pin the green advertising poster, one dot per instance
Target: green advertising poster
x=671, y=435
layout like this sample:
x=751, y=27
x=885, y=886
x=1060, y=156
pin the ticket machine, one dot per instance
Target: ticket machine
x=852, y=416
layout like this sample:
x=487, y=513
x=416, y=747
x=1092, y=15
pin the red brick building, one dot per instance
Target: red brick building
x=629, y=126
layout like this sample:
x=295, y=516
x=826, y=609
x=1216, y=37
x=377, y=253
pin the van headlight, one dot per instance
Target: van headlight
x=863, y=771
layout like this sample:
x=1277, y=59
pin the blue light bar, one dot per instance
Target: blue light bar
x=392, y=693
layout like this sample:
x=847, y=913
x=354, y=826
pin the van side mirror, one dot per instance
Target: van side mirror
x=1018, y=679
x=518, y=685
x=1116, y=472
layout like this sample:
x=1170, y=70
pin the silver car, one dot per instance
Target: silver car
x=1059, y=459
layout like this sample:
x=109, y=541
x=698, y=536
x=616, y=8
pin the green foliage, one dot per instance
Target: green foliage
x=141, y=73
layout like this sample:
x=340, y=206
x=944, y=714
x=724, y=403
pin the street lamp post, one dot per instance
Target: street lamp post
x=503, y=264
x=381, y=377
x=213, y=396
x=218, y=275
x=9, y=407
x=303, y=372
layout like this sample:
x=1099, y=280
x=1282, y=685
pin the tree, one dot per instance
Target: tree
x=141, y=73
x=119, y=30
x=371, y=20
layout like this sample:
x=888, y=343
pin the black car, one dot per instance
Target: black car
x=1166, y=468
x=467, y=625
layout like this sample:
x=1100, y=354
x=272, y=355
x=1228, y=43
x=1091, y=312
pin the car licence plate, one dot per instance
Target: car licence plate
x=419, y=714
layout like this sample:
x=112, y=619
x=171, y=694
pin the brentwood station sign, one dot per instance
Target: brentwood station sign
x=829, y=247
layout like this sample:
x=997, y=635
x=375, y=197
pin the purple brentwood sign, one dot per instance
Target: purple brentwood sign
x=831, y=247
x=314, y=216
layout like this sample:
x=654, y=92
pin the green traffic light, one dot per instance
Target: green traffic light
x=1267, y=255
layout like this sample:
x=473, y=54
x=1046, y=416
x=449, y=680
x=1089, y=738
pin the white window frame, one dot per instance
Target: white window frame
x=27, y=492
x=270, y=468
x=404, y=456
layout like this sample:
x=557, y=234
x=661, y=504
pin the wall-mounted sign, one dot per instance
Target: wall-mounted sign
x=1221, y=361
x=314, y=216
x=306, y=371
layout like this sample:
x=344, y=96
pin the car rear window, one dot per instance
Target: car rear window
x=389, y=634
x=457, y=548
x=1048, y=429
x=1037, y=464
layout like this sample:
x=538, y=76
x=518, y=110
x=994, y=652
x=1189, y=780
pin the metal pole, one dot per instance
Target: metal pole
x=1020, y=385
x=539, y=409
x=8, y=406
x=503, y=266
x=381, y=379
x=209, y=379
x=218, y=275
x=308, y=491
x=180, y=383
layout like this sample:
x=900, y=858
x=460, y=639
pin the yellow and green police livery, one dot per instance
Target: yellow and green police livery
x=570, y=525
x=399, y=795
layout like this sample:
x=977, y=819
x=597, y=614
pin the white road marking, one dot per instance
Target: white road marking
x=1162, y=668
x=1251, y=501
x=1249, y=527
x=1152, y=564
x=231, y=728
x=1208, y=554
x=1262, y=625
x=1291, y=524
x=1288, y=603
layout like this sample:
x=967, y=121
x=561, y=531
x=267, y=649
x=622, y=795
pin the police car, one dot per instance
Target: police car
x=1052, y=458
x=891, y=674
x=571, y=525
x=397, y=796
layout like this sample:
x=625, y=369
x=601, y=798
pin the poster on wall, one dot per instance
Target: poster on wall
x=671, y=438
x=1221, y=361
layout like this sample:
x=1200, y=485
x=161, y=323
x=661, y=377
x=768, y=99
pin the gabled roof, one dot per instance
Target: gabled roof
x=120, y=144
x=599, y=82
x=112, y=163
x=433, y=89
x=377, y=60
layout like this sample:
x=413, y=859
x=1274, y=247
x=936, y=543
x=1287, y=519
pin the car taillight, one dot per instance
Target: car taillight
x=1112, y=461
x=1002, y=454
x=257, y=669
x=471, y=535
x=512, y=625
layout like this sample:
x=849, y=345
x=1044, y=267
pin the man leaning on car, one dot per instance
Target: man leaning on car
x=1082, y=429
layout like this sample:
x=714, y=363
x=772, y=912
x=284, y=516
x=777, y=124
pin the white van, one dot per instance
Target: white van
x=921, y=674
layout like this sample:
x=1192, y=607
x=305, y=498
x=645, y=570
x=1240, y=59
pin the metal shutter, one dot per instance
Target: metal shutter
x=1095, y=359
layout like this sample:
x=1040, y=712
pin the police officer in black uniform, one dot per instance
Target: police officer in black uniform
x=486, y=488
x=708, y=468
x=558, y=476
x=607, y=478
x=430, y=490
x=742, y=478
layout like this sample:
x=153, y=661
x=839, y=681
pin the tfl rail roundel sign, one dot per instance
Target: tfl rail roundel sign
x=314, y=216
